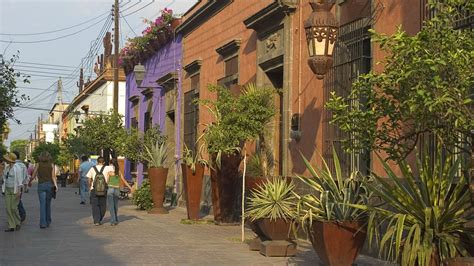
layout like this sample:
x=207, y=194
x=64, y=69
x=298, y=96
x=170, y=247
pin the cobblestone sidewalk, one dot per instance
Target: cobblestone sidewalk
x=139, y=239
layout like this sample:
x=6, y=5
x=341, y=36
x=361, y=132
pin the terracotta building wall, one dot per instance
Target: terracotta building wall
x=307, y=94
x=394, y=13
x=224, y=27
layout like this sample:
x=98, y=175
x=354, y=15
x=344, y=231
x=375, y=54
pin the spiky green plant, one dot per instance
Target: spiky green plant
x=156, y=154
x=331, y=195
x=260, y=164
x=425, y=213
x=273, y=199
x=191, y=158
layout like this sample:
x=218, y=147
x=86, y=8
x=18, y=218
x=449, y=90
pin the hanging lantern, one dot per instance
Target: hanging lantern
x=321, y=34
x=139, y=71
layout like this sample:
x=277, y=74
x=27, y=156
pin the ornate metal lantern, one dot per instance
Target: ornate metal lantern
x=321, y=34
x=139, y=71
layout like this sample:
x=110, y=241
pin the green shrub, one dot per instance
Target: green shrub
x=142, y=197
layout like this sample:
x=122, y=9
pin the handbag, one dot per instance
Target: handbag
x=53, y=192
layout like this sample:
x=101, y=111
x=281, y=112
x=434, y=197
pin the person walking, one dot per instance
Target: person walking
x=83, y=181
x=97, y=177
x=24, y=177
x=12, y=184
x=113, y=191
x=46, y=174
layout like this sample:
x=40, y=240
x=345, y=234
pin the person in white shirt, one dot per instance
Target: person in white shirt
x=13, y=182
x=99, y=203
x=24, y=173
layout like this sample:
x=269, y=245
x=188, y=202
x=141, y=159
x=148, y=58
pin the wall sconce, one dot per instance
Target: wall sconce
x=139, y=71
x=321, y=34
x=295, y=129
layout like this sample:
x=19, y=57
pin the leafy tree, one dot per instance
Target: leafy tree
x=64, y=156
x=3, y=150
x=19, y=146
x=101, y=132
x=238, y=118
x=9, y=97
x=132, y=143
x=425, y=88
x=75, y=145
x=52, y=148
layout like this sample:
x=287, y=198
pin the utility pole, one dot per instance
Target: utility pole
x=116, y=55
x=60, y=102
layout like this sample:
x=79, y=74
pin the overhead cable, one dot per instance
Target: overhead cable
x=53, y=31
x=57, y=38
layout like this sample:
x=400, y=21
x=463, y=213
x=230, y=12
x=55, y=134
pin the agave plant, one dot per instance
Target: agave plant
x=191, y=159
x=260, y=164
x=425, y=214
x=273, y=199
x=156, y=154
x=331, y=195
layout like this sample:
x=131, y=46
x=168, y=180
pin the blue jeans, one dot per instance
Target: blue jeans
x=44, y=194
x=83, y=189
x=112, y=201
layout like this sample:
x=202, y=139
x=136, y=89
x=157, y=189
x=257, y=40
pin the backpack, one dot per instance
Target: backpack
x=100, y=185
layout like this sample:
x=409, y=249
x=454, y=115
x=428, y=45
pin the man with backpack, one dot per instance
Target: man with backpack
x=98, y=189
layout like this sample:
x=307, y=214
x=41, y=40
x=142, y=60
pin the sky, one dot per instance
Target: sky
x=28, y=26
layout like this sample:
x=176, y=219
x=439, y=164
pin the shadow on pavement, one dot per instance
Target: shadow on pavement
x=71, y=239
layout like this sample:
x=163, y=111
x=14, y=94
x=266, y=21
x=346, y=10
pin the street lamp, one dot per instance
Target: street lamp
x=77, y=116
x=139, y=71
x=321, y=34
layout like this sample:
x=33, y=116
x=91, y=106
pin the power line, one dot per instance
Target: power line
x=133, y=12
x=130, y=27
x=53, y=31
x=57, y=38
x=42, y=64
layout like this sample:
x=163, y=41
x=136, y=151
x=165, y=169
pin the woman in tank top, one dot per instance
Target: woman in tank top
x=45, y=173
x=113, y=189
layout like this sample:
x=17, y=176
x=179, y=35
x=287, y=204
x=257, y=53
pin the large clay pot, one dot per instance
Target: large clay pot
x=278, y=229
x=252, y=183
x=467, y=261
x=193, y=189
x=337, y=243
x=225, y=182
x=158, y=178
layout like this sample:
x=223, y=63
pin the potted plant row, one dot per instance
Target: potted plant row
x=193, y=167
x=272, y=209
x=336, y=229
x=237, y=119
x=156, y=156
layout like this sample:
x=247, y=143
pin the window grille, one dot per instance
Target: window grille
x=352, y=58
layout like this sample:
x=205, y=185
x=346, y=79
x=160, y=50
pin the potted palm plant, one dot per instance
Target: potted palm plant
x=156, y=155
x=426, y=213
x=336, y=229
x=237, y=119
x=273, y=206
x=193, y=171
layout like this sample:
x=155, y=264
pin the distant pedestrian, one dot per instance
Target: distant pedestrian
x=46, y=174
x=83, y=181
x=30, y=167
x=96, y=177
x=24, y=177
x=12, y=184
x=113, y=181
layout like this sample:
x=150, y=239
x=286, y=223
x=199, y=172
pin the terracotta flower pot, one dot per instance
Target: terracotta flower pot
x=278, y=229
x=252, y=183
x=225, y=189
x=158, y=178
x=193, y=189
x=175, y=23
x=337, y=243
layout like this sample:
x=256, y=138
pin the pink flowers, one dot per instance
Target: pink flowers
x=150, y=34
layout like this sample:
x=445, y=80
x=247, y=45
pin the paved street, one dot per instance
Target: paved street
x=139, y=239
